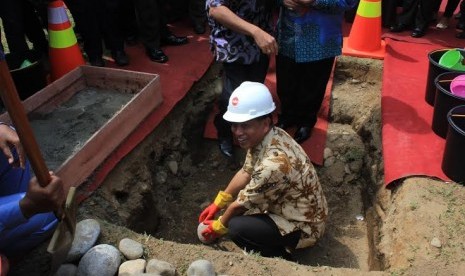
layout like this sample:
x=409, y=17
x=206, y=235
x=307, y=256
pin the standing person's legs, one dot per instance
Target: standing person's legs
x=406, y=17
x=235, y=74
x=113, y=33
x=312, y=79
x=92, y=30
x=12, y=16
x=33, y=28
x=198, y=15
x=423, y=17
x=259, y=233
x=286, y=87
x=150, y=28
x=448, y=12
x=301, y=89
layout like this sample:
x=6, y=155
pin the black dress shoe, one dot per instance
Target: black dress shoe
x=173, y=40
x=199, y=28
x=156, y=55
x=302, y=134
x=97, y=61
x=120, y=57
x=460, y=35
x=418, y=32
x=226, y=147
x=398, y=28
x=461, y=26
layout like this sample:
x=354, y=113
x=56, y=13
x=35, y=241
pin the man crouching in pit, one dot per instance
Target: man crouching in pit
x=280, y=205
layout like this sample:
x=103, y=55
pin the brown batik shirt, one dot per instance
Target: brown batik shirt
x=285, y=186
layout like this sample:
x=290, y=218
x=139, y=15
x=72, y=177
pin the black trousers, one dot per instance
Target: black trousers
x=152, y=21
x=233, y=75
x=195, y=8
x=100, y=22
x=450, y=7
x=417, y=13
x=260, y=234
x=20, y=19
x=301, y=89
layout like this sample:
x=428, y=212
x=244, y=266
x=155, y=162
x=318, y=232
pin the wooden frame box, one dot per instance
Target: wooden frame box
x=147, y=97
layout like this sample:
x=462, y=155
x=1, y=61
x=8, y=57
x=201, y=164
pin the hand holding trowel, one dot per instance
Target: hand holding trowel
x=64, y=233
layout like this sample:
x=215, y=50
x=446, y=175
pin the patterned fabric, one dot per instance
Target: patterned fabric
x=229, y=46
x=315, y=34
x=284, y=184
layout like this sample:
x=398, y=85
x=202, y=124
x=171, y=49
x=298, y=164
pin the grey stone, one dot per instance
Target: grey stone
x=327, y=153
x=66, y=270
x=87, y=233
x=131, y=249
x=173, y=166
x=201, y=268
x=436, y=242
x=100, y=260
x=160, y=267
x=132, y=267
x=330, y=161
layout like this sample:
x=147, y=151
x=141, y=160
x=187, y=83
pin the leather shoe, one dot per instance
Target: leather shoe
x=460, y=26
x=97, y=61
x=156, y=55
x=417, y=32
x=302, y=134
x=460, y=35
x=226, y=147
x=398, y=28
x=173, y=40
x=199, y=28
x=120, y=57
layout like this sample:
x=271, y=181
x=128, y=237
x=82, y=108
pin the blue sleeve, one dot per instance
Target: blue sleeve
x=10, y=213
x=334, y=5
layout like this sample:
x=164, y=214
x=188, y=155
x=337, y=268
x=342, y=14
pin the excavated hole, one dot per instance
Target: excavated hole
x=161, y=187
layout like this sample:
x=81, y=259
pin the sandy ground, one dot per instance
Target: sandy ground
x=156, y=193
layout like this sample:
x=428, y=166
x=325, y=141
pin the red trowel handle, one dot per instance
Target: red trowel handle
x=23, y=128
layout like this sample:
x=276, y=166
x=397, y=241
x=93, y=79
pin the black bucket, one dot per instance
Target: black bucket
x=30, y=79
x=435, y=69
x=444, y=102
x=454, y=152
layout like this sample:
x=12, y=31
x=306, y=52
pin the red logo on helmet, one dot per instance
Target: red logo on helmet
x=235, y=101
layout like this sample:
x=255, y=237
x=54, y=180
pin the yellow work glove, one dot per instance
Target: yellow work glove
x=214, y=230
x=221, y=200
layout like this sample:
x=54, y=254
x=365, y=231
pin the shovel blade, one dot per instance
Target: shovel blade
x=63, y=236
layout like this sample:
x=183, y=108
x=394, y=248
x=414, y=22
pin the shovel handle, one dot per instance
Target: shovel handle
x=23, y=128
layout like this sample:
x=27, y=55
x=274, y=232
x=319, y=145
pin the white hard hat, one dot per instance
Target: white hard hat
x=248, y=101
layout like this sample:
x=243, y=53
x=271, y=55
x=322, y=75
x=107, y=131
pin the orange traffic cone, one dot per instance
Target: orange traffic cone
x=64, y=52
x=365, y=36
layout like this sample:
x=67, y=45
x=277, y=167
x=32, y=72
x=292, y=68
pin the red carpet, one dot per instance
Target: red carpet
x=187, y=64
x=410, y=147
x=315, y=145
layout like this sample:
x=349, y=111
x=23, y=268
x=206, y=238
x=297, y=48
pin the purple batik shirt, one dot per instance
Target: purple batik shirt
x=229, y=46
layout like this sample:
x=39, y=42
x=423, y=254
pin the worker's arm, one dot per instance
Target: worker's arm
x=40, y=199
x=230, y=20
x=238, y=182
